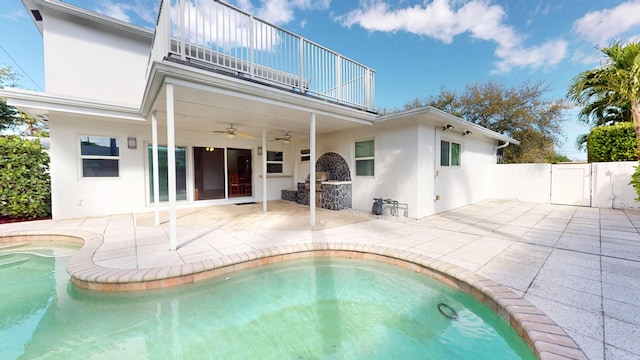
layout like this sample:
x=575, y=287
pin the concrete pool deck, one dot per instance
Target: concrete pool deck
x=580, y=266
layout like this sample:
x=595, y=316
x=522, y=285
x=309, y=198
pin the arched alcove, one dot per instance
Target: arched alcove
x=334, y=164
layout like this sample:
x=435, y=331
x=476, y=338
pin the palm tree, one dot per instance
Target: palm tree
x=611, y=90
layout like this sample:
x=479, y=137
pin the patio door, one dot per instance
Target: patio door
x=163, y=170
x=239, y=172
x=208, y=165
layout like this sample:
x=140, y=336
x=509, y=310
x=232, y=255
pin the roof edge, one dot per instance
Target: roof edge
x=446, y=117
x=46, y=102
x=86, y=14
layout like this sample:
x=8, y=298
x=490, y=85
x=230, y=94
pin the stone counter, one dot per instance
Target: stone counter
x=336, y=195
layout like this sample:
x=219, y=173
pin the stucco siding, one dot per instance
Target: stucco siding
x=75, y=196
x=88, y=60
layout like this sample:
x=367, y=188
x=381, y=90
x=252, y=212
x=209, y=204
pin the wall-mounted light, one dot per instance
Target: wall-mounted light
x=259, y=150
x=447, y=127
x=210, y=149
x=132, y=143
x=467, y=132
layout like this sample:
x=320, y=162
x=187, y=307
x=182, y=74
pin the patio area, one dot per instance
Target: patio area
x=580, y=266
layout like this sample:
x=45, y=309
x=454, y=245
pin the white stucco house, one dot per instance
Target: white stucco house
x=228, y=108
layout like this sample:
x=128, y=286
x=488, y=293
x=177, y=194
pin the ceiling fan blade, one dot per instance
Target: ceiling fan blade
x=245, y=135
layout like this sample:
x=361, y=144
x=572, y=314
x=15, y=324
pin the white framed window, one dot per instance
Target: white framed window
x=365, y=161
x=450, y=153
x=100, y=156
x=305, y=155
x=275, y=161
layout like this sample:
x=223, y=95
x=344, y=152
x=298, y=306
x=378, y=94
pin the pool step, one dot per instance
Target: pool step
x=13, y=246
x=14, y=262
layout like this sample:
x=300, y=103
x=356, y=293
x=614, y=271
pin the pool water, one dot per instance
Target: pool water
x=319, y=308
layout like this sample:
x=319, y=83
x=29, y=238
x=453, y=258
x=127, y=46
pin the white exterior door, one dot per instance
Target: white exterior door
x=571, y=184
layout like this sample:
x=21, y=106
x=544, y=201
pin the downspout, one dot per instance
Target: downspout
x=612, y=196
x=436, y=173
x=495, y=149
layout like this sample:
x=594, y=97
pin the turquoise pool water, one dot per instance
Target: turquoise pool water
x=306, y=309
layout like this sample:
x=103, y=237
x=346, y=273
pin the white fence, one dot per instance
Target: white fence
x=609, y=183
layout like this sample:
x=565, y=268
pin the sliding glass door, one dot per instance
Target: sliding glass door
x=208, y=166
x=239, y=165
x=181, y=173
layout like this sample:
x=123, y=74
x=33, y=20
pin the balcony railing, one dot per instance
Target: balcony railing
x=213, y=34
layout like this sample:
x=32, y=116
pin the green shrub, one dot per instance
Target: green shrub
x=25, y=185
x=635, y=181
x=613, y=143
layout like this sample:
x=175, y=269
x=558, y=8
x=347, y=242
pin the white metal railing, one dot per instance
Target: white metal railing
x=215, y=34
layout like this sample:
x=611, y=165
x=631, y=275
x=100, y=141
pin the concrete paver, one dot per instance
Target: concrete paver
x=580, y=266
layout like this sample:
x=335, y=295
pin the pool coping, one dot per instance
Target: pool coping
x=541, y=333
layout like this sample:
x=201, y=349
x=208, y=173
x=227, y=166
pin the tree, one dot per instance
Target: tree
x=8, y=114
x=612, y=91
x=13, y=119
x=519, y=112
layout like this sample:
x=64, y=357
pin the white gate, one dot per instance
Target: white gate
x=571, y=184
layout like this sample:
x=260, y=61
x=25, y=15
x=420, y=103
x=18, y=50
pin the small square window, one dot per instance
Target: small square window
x=275, y=161
x=100, y=156
x=305, y=155
x=449, y=153
x=365, y=162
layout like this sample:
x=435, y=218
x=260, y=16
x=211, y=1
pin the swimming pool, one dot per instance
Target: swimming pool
x=316, y=308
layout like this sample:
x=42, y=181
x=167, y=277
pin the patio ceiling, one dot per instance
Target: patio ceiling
x=214, y=101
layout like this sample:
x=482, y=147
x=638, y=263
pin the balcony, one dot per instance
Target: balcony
x=213, y=35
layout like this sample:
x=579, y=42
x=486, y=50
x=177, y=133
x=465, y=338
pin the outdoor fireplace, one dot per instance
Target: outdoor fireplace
x=333, y=184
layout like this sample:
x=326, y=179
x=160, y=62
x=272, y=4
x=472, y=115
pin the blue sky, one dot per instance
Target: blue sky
x=416, y=47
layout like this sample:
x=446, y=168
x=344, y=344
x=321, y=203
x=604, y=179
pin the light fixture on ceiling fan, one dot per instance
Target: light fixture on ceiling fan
x=232, y=133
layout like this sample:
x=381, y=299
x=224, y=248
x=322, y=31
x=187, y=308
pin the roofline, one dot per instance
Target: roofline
x=83, y=13
x=446, y=117
x=42, y=101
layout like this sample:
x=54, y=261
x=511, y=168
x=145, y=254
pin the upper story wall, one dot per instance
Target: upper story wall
x=92, y=60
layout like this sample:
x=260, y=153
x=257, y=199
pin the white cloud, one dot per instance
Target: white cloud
x=542, y=56
x=445, y=19
x=144, y=10
x=115, y=10
x=603, y=26
x=281, y=11
x=15, y=15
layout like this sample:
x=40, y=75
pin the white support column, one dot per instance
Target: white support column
x=156, y=167
x=264, y=169
x=171, y=160
x=312, y=171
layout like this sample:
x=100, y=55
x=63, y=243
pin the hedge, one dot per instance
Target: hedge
x=25, y=185
x=613, y=143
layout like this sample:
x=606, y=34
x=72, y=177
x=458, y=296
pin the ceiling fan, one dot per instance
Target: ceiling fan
x=287, y=138
x=232, y=133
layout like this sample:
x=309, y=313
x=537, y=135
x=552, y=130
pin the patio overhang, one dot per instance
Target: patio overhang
x=206, y=101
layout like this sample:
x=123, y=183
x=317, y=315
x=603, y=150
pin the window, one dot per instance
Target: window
x=364, y=158
x=305, y=155
x=100, y=156
x=449, y=153
x=274, y=162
